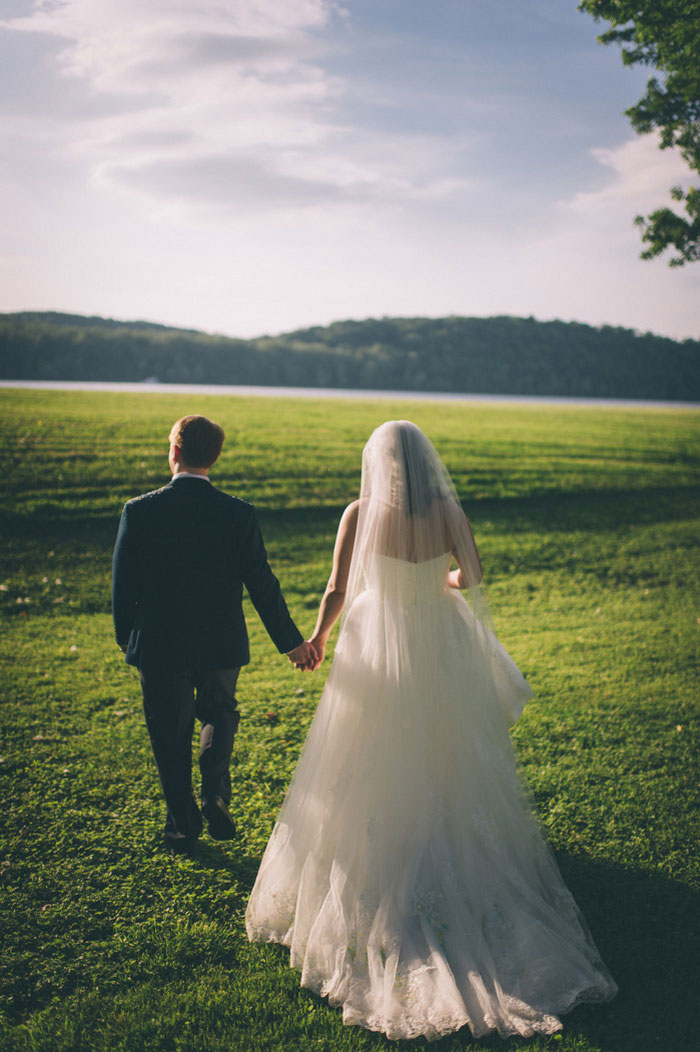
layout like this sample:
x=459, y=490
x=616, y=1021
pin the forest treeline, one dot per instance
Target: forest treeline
x=499, y=355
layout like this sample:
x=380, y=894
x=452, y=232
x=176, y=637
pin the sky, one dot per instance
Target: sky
x=256, y=166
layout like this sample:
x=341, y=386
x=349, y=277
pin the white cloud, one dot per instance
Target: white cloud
x=199, y=82
x=587, y=260
x=641, y=176
x=220, y=96
x=127, y=45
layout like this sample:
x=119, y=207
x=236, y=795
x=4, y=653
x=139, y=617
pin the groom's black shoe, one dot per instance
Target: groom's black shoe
x=221, y=825
x=182, y=846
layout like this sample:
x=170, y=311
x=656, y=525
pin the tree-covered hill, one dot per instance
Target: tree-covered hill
x=500, y=355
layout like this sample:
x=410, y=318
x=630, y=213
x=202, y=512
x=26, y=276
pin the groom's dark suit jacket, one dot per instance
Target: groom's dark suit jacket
x=182, y=556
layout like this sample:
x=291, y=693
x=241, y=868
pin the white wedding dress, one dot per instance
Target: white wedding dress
x=406, y=872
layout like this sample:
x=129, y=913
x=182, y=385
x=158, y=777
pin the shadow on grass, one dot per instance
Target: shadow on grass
x=589, y=509
x=241, y=868
x=583, y=510
x=646, y=928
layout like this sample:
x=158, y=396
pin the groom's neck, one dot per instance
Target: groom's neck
x=185, y=469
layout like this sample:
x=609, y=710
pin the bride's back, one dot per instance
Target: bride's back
x=415, y=538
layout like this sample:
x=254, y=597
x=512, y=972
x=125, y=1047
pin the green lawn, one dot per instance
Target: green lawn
x=588, y=525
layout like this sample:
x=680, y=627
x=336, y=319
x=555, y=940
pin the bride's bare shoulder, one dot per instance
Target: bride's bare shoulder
x=347, y=527
x=348, y=520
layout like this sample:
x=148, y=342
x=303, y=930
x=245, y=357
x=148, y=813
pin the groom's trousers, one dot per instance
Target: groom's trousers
x=170, y=704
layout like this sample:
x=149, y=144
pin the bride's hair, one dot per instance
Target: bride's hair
x=421, y=488
x=401, y=468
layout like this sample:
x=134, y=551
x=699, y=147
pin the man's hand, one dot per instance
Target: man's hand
x=304, y=657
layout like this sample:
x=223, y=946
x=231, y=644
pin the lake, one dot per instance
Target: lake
x=241, y=391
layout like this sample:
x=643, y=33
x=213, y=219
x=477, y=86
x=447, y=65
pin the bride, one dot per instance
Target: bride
x=406, y=871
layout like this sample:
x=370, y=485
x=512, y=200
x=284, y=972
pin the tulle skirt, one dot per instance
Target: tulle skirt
x=406, y=872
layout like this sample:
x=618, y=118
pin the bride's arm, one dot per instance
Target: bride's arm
x=334, y=596
x=466, y=554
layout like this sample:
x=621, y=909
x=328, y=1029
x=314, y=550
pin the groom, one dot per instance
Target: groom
x=182, y=556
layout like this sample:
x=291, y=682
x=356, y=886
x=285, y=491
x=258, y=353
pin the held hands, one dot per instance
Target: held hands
x=308, y=655
x=304, y=657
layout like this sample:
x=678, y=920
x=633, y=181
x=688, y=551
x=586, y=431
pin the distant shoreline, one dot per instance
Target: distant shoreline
x=259, y=391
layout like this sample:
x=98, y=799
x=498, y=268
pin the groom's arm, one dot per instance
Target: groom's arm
x=264, y=589
x=126, y=580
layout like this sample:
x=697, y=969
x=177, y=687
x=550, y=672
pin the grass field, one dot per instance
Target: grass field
x=587, y=521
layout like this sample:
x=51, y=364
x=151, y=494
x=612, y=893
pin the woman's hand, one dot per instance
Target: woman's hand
x=318, y=646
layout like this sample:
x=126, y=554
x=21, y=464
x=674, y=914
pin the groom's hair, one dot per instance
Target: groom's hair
x=198, y=439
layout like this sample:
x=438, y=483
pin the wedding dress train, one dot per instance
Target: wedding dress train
x=406, y=872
